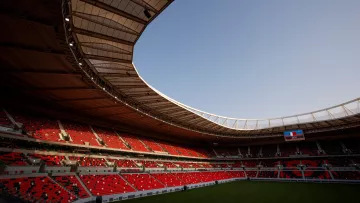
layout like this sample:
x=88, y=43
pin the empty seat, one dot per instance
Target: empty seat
x=40, y=189
x=143, y=181
x=106, y=184
x=72, y=184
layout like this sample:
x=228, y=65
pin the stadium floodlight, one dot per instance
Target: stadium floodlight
x=71, y=44
x=67, y=19
x=92, y=78
x=80, y=63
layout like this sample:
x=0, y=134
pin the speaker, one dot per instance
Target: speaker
x=99, y=199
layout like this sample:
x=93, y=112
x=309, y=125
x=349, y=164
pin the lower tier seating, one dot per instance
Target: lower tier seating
x=346, y=175
x=143, y=181
x=267, y=174
x=37, y=188
x=72, y=184
x=106, y=184
x=168, y=179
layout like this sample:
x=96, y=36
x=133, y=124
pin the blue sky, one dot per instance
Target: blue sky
x=254, y=59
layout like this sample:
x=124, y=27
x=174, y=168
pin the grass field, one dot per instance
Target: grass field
x=250, y=191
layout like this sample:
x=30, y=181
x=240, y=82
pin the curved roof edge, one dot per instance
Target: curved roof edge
x=101, y=37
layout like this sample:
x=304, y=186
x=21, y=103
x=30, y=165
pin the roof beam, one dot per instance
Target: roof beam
x=117, y=74
x=80, y=99
x=102, y=36
x=102, y=107
x=146, y=5
x=127, y=87
x=115, y=10
x=105, y=58
x=59, y=88
x=78, y=14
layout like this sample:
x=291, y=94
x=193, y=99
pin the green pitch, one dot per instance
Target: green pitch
x=251, y=191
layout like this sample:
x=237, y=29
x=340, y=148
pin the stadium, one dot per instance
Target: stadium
x=79, y=124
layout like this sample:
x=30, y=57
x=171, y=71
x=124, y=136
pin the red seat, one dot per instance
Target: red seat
x=80, y=133
x=110, y=138
x=143, y=181
x=106, y=184
x=37, y=188
x=72, y=184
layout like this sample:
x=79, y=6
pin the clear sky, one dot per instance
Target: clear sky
x=254, y=58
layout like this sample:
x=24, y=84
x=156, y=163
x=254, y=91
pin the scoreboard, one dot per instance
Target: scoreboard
x=294, y=135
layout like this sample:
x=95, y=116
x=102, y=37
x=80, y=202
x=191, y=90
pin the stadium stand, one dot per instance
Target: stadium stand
x=49, y=160
x=88, y=161
x=110, y=138
x=143, y=181
x=72, y=184
x=135, y=143
x=37, y=188
x=80, y=134
x=39, y=128
x=106, y=184
x=13, y=158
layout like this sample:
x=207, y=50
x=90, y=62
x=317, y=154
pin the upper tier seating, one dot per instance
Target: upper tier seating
x=287, y=149
x=88, y=161
x=169, y=148
x=198, y=153
x=40, y=128
x=152, y=145
x=106, y=184
x=309, y=148
x=37, y=188
x=80, y=134
x=222, y=151
x=110, y=138
x=255, y=150
x=168, y=179
x=135, y=143
x=72, y=184
x=269, y=150
x=143, y=181
x=183, y=151
x=4, y=120
x=331, y=147
x=346, y=175
x=249, y=164
x=353, y=145
x=13, y=158
x=49, y=160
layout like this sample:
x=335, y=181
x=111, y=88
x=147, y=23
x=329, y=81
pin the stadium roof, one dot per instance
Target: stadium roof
x=81, y=59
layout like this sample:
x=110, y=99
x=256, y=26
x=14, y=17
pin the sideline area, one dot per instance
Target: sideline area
x=250, y=191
